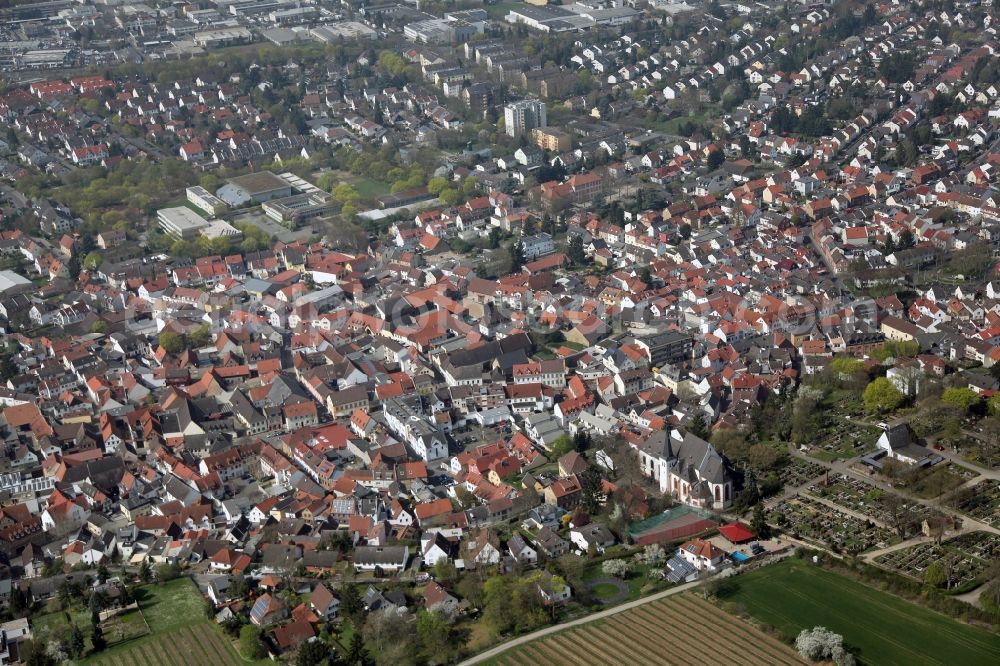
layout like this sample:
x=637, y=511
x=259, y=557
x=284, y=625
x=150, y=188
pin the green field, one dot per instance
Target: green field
x=181, y=634
x=879, y=628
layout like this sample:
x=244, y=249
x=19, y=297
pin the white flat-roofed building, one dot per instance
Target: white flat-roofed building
x=181, y=222
x=222, y=37
x=11, y=281
x=331, y=32
x=221, y=229
x=206, y=201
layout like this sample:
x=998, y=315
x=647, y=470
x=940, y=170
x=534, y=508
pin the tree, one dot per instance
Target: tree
x=311, y=653
x=902, y=517
x=882, y=396
x=145, y=572
x=715, y=159
x=97, y=602
x=356, y=654
x=590, y=489
x=435, y=635
x=616, y=568
x=437, y=184
x=560, y=447
x=513, y=604
x=200, y=337
x=820, y=644
x=935, y=576
x=67, y=593
x=165, y=572
x=97, y=638
x=102, y=572
x=350, y=602
x=516, y=256
x=846, y=366
x=762, y=457
x=18, y=600
x=92, y=261
x=252, y=643
x=575, y=251
x=758, y=525
x=75, y=644
x=390, y=636
x=962, y=398
x=465, y=497
x=445, y=571
x=698, y=426
x=172, y=342
x=654, y=554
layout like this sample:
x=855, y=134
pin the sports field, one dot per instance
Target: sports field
x=681, y=629
x=879, y=628
x=180, y=634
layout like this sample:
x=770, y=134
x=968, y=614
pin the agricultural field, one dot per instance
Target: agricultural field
x=195, y=644
x=814, y=521
x=981, y=502
x=879, y=628
x=965, y=558
x=180, y=632
x=681, y=629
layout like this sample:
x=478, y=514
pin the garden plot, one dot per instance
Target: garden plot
x=965, y=558
x=808, y=519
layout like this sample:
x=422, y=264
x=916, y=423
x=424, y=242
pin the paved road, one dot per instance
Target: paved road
x=527, y=638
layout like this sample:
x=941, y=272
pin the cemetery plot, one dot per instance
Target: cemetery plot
x=845, y=439
x=855, y=495
x=798, y=472
x=939, y=480
x=965, y=558
x=982, y=502
x=808, y=519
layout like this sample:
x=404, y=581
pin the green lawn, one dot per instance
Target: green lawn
x=369, y=188
x=180, y=632
x=880, y=628
x=604, y=591
x=501, y=9
x=171, y=605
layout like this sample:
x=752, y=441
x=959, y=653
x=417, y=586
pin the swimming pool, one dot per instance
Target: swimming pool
x=740, y=557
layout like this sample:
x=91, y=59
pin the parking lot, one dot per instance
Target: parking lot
x=269, y=226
